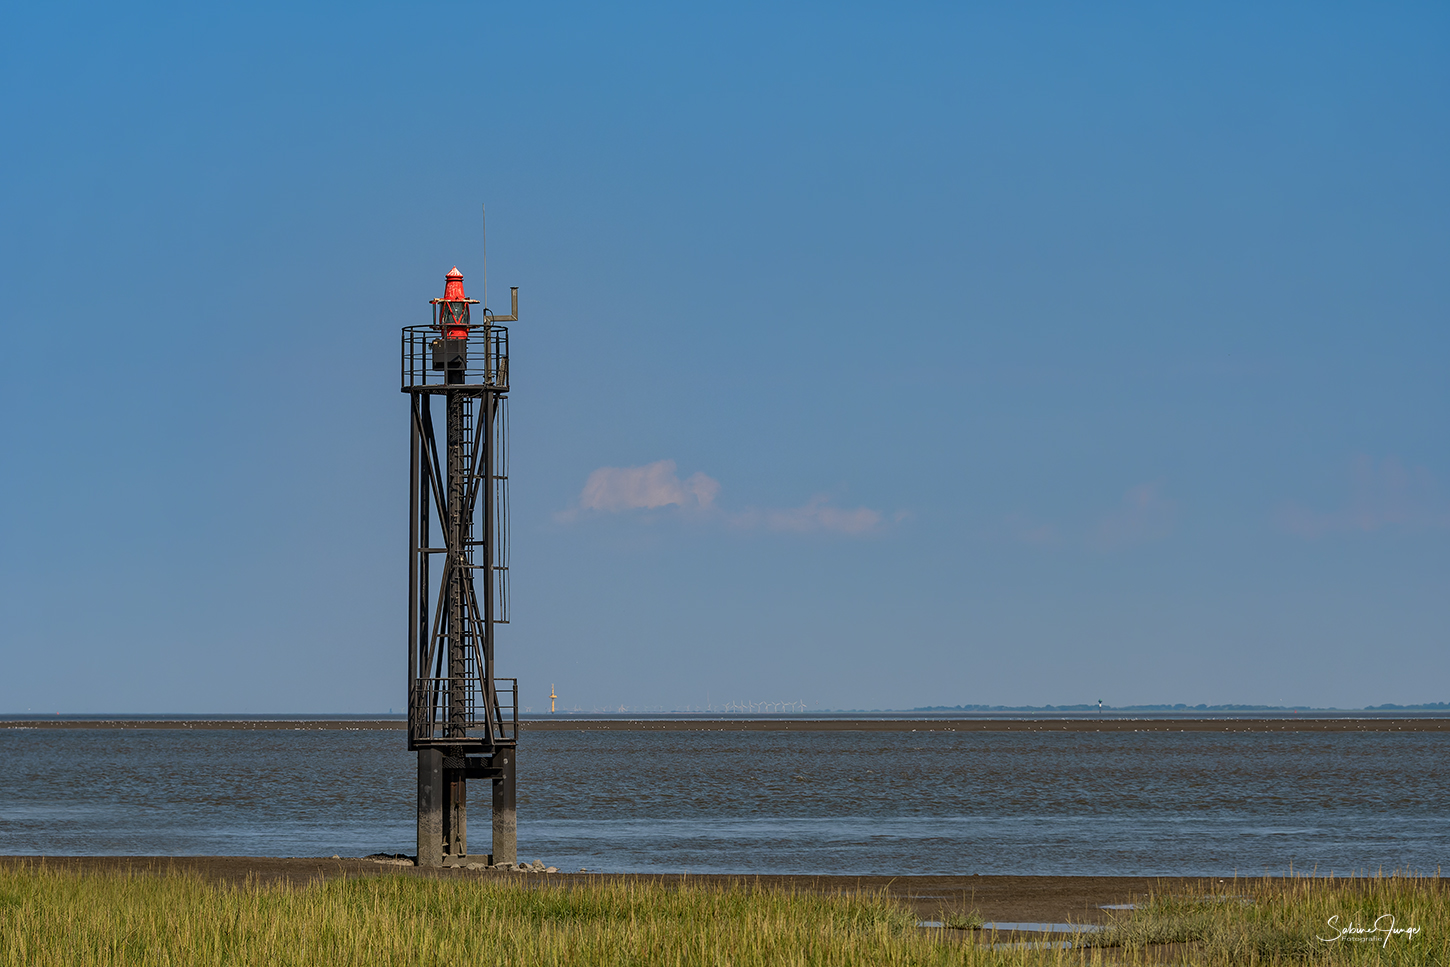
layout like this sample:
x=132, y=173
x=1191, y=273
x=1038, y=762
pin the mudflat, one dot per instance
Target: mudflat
x=994, y=725
x=1306, y=724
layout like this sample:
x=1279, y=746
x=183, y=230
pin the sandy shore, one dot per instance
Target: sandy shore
x=1036, y=899
x=792, y=725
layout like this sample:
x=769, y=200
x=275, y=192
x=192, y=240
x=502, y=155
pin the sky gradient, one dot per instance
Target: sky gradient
x=999, y=354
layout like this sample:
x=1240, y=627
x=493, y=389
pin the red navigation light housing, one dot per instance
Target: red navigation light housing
x=453, y=307
x=451, y=316
x=453, y=290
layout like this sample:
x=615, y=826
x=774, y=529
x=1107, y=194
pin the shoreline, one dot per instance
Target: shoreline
x=1246, y=724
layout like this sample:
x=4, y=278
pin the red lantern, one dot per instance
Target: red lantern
x=453, y=307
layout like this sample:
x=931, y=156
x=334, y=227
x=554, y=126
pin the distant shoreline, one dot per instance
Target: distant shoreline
x=1346, y=723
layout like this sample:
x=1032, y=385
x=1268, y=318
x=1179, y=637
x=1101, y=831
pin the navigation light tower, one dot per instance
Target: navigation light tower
x=462, y=721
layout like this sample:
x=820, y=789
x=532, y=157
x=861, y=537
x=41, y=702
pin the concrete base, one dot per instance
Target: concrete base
x=430, y=807
x=443, y=812
x=505, y=817
x=486, y=859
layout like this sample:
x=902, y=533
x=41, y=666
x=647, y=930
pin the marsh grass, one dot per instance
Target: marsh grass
x=1282, y=921
x=49, y=917
x=956, y=920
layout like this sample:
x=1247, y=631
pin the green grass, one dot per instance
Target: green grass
x=1281, y=921
x=956, y=920
x=51, y=917
x=48, y=917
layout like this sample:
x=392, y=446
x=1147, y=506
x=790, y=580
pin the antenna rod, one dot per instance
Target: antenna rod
x=483, y=211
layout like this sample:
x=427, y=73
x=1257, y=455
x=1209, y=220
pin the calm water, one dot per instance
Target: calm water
x=799, y=802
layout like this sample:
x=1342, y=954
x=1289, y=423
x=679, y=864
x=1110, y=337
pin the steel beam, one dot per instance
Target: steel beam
x=415, y=543
x=455, y=814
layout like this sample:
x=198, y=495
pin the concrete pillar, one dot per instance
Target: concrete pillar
x=505, y=819
x=430, y=807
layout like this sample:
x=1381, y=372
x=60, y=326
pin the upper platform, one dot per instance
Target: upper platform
x=455, y=354
x=478, y=364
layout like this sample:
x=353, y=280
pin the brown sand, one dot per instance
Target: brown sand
x=1036, y=899
x=798, y=725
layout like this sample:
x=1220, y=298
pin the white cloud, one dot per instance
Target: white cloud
x=652, y=485
x=657, y=485
x=1387, y=496
x=1144, y=515
x=704, y=489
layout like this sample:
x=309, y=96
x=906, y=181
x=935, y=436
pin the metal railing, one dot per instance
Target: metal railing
x=440, y=716
x=486, y=362
x=508, y=712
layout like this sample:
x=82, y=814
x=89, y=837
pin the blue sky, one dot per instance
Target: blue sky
x=868, y=358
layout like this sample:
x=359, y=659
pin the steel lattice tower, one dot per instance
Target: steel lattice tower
x=462, y=721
